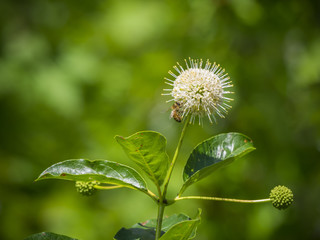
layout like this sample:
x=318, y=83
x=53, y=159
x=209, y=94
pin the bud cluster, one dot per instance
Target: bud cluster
x=86, y=188
x=281, y=197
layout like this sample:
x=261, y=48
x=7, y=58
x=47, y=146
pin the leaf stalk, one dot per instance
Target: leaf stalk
x=107, y=187
x=222, y=199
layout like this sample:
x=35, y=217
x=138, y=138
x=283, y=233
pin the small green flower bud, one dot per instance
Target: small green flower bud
x=86, y=188
x=281, y=197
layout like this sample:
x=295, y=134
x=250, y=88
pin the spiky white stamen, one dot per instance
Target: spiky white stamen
x=200, y=90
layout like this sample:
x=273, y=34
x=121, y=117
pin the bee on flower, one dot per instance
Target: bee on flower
x=200, y=90
x=176, y=113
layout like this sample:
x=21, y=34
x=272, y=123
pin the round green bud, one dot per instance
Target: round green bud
x=86, y=188
x=281, y=197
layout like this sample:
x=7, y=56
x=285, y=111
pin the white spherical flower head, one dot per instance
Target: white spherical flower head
x=200, y=91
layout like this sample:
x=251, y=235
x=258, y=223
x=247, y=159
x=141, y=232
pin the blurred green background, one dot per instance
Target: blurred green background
x=73, y=74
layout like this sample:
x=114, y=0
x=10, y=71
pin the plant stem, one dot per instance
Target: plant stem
x=223, y=199
x=159, y=219
x=162, y=197
x=175, y=156
x=107, y=187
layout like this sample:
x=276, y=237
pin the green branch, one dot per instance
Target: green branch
x=223, y=199
x=175, y=156
x=107, y=187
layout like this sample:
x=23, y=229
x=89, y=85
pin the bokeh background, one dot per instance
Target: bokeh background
x=73, y=74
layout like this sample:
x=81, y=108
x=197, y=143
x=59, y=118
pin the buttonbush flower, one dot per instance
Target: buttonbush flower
x=200, y=90
x=281, y=197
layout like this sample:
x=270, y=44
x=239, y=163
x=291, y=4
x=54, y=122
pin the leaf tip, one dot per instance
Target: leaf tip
x=41, y=177
x=119, y=138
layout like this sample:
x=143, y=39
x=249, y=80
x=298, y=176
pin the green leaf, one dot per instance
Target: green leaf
x=146, y=230
x=167, y=222
x=148, y=150
x=183, y=230
x=213, y=154
x=135, y=234
x=48, y=236
x=102, y=171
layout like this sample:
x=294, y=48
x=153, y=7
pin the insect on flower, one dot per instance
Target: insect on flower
x=199, y=90
x=176, y=113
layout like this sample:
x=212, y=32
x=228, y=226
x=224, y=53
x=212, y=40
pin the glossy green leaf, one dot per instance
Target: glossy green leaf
x=213, y=154
x=183, y=230
x=148, y=150
x=146, y=230
x=48, y=236
x=102, y=171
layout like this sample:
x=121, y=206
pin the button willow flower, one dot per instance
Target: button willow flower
x=197, y=91
x=200, y=91
x=281, y=197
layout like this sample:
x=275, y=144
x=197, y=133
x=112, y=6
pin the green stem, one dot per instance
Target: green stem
x=223, y=199
x=175, y=156
x=107, y=187
x=159, y=220
x=159, y=192
x=162, y=197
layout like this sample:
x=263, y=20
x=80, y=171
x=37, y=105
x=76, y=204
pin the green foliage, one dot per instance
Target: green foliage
x=214, y=153
x=146, y=231
x=82, y=75
x=148, y=150
x=183, y=230
x=102, y=171
x=48, y=236
x=167, y=222
x=135, y=234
